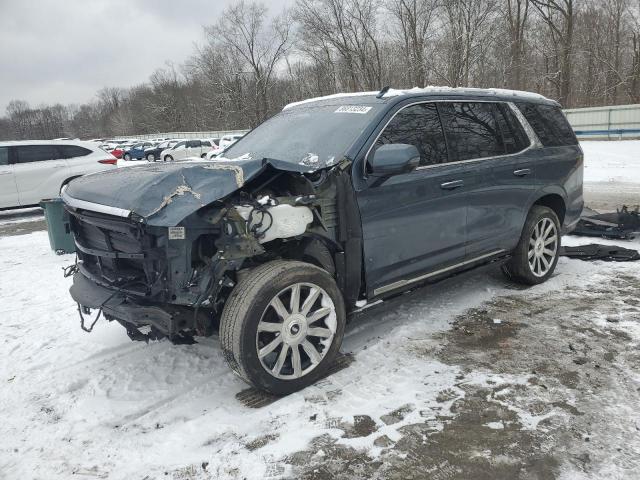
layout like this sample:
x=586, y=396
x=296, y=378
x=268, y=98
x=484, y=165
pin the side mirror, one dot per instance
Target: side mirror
x=394, y=158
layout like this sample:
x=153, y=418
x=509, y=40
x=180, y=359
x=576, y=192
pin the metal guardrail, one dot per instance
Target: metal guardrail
x=208, y=134
x=610, y=122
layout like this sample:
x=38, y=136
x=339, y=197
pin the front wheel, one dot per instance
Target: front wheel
x=168, y=158
x=282, y=326
x=151, y=157
x=536, y=255
x=127, y=157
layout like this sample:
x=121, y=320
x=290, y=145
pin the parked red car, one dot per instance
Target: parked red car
x=118, y=151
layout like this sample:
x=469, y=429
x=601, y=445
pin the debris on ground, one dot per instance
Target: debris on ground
x=623, y=223
x=594, y=251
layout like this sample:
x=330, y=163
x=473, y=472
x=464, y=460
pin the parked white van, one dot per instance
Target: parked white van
x=33, y=170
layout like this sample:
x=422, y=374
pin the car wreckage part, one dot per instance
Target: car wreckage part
x=282, y=326
x=621, y=224
x=284, y=221
x=536, y=254
x=594, y=251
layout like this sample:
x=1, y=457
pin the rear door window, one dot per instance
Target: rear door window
x=472, y=130
x=549, y=123
x=417, y=125
x=73, y=151
x=36, y=153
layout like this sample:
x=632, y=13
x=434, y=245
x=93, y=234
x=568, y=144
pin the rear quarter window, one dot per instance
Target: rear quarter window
x=549, y=124
x=73, y=151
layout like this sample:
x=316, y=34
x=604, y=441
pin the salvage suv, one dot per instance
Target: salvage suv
x=333, y=203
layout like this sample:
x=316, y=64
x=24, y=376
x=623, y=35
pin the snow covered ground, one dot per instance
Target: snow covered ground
x=469, y=378
x=611, y=174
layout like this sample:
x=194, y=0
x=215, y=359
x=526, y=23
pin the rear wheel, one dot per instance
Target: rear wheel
x=534, y=259
x=151, y=157
x=282, y=326
x=168, y=158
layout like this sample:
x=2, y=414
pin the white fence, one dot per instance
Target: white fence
x=211, y=134
x=602, y=123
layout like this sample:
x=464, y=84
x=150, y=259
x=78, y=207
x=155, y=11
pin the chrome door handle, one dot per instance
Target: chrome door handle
x=522, y=173
x=451, y=185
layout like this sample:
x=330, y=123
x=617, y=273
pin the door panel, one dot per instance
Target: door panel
x=488, y=137
x=499, y=191
x=8, y=189
x=412, y=225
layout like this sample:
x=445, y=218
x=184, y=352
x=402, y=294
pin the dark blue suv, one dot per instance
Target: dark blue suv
x=333, y=203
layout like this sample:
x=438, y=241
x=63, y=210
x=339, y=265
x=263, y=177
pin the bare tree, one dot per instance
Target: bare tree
x=468, y=35
x=260, y=46
x=253, y=62
x=517, y=16
x=415, y=19
x=559, y=16
x=349, y=28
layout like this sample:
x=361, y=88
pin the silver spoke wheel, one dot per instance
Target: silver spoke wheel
x=296, y=331
x=543, y=247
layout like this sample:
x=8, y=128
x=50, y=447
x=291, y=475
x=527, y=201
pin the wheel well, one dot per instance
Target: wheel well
x=312, y=251
x=555, y=203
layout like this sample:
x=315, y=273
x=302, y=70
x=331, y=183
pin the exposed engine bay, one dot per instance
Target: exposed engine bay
x=172, y=280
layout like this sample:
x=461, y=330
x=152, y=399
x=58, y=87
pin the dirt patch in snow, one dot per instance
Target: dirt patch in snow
x=544, y=391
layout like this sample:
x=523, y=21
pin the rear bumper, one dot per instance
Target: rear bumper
x=127, y=310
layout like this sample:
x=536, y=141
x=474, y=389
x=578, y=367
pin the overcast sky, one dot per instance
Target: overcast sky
x=66, y=50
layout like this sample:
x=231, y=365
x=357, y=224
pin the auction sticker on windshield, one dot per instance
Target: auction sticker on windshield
x=353, y=109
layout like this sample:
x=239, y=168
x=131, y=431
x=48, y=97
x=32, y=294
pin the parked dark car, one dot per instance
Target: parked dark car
x=275, y=244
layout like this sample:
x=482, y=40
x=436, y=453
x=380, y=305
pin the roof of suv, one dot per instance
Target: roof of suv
x=375, y=97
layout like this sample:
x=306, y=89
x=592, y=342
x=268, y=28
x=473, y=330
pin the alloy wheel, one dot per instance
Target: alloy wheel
x=296, y=331
x=543, y=247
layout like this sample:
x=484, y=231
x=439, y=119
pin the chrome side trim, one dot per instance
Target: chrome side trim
x=94, y=207
x=402, y=283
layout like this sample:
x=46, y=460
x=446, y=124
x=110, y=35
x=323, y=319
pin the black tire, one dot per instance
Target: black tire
x=151, y=157
x=168, y=158
x=126, y=157
x=204, y=155
x=250, y=302
x=518, y=268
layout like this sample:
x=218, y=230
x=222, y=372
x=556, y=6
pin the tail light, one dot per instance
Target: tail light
x=109, y=161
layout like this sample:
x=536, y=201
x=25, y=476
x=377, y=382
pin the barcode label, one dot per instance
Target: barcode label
x=177, y=233
x=353, y=109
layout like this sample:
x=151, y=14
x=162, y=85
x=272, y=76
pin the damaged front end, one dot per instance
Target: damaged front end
x=160, y=248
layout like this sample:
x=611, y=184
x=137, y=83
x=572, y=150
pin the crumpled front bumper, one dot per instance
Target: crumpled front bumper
x=118, y=306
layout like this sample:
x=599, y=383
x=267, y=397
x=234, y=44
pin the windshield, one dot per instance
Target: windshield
x=313, y=136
